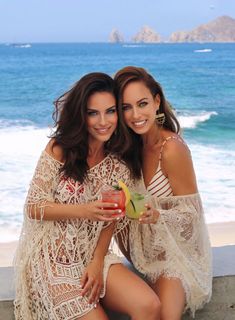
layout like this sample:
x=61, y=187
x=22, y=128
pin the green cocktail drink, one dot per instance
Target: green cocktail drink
x=136, y=205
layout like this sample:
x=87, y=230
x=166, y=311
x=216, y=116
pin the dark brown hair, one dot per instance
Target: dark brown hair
x=132, y=155
x=70, y=117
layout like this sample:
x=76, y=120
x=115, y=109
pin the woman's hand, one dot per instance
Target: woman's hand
x=149, y=216
x=100, y=211
x=92, y=280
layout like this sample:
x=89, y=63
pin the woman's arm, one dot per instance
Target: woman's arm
x=55, y=211
x=177, y=165
x=92, y=279
x=40, y=204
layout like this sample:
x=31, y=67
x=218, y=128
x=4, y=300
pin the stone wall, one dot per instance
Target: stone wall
x=221, y=306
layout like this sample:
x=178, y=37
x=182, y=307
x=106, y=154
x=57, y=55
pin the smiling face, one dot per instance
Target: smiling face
x=139, y=107
x=101, y=116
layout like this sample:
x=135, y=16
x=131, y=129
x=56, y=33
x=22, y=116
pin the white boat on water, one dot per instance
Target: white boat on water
x=203, y=50
x=21, y=45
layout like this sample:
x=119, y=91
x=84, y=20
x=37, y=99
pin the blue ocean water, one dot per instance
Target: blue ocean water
x=198, y=80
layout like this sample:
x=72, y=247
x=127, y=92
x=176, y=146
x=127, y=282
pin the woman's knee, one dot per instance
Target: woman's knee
x=171, y=312
x=148, y=308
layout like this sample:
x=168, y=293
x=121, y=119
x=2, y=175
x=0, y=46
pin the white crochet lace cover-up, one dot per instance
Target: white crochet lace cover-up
x=176, y=246
x=52, y=255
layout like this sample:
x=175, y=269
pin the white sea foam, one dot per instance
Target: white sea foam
x=192, y=120
x=20, y=148
x=9, y=232
x=17, y=124
x=215, y=170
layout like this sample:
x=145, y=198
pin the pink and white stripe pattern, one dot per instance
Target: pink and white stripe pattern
x=160, y=185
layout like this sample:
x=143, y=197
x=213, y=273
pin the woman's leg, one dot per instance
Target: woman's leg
x=129, y=294
x=119, y=241
x=172, y=296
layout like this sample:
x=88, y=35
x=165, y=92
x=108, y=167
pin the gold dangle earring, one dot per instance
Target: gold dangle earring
x=160, y=118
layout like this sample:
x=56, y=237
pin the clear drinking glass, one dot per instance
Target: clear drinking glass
x=136, y=205
x=109, y=194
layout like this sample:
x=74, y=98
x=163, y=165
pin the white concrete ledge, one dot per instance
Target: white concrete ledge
x=221, y=306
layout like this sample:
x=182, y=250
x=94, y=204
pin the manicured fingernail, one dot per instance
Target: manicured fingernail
x=119, y=211
x=115, y=205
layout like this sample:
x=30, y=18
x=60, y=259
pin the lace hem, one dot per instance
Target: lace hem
x=177, y=246
x=51, y=255
x=110, y=259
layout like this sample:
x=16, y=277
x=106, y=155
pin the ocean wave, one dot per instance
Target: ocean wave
x=22, y=140
x=191, y=121
x=9, y=233
x=9, y=123
x=215, y=171
x=20, y=149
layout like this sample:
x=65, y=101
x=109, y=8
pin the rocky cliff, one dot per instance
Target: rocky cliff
x=146, y=35
x=115, y=36
x=221, y=29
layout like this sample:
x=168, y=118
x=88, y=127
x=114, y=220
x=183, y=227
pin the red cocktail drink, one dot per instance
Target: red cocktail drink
x=114, y=196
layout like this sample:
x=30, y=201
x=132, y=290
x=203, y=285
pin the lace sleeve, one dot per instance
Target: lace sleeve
x=176, y=246
x=42, y=186
x=184, y=218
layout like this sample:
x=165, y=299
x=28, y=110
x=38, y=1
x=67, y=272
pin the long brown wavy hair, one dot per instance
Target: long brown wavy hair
x=70, y=122
x=132, y=154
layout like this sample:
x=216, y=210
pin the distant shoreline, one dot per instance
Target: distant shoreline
x=113, y=44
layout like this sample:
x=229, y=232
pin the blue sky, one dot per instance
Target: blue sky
x=93, y=20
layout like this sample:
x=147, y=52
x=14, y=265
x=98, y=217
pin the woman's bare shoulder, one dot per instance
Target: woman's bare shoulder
x=176, y=150
x=54, y=151
x=178, y=167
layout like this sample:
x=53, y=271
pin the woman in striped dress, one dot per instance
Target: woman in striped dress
x=169, y=243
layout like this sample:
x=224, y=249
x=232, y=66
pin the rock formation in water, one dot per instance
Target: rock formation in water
x=146, y=35
x=115, y=36
x=221, y=29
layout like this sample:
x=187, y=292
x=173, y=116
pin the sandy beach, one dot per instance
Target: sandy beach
x=221, y=234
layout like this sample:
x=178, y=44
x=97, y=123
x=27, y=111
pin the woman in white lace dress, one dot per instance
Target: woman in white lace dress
x=63, y=266
x=169, y=244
